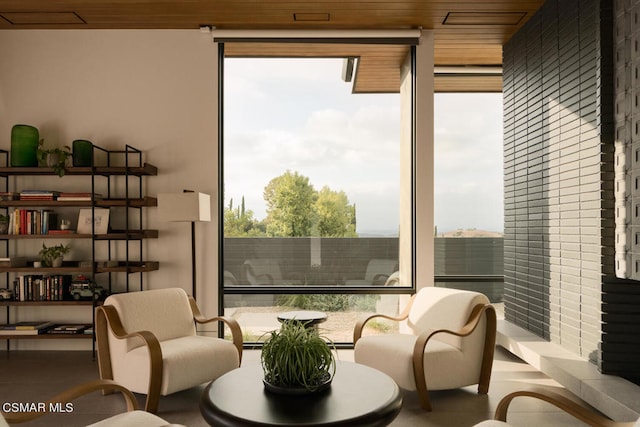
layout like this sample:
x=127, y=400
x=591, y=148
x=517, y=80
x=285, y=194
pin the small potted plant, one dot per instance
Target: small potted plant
x=52, y=256
x=297, y=360
x=55, y=158
x=4, y=224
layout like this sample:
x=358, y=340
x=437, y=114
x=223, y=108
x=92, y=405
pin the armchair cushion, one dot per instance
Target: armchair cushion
x=444, y=364
x=196, y=367
x=444, y=308
x=165, y=313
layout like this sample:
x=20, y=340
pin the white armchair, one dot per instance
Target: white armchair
x=586, y=415
x=449, y=343
x=132, y=418
x=147, y=342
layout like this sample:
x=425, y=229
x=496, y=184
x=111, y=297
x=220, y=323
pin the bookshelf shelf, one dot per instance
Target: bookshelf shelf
x=45, y=303
x=46, y=336
x=113, y=235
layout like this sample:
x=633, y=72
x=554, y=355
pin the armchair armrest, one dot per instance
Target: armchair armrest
x=71, y=394
x=360, y=324
x=234, y=326
x=107, y=318
x=571, y=407
x=472, y=323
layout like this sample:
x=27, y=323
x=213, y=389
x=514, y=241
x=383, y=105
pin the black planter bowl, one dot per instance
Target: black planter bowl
x=298, y=391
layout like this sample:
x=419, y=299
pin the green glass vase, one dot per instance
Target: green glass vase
x=24, y=146
x=82, y=152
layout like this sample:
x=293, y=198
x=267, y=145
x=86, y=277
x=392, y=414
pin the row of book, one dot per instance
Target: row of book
x=32, y=221
x=48, y=195
x=45, y=327
x=35, y=287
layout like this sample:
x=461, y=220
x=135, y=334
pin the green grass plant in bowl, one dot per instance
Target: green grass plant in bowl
x=297, y=360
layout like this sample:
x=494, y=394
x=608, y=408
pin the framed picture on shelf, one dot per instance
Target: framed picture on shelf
x=100, y=221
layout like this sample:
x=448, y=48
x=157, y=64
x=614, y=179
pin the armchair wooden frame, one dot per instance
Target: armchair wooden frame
x=582, y=413
x=107, y=318
x=418, y=351
x=71, y=394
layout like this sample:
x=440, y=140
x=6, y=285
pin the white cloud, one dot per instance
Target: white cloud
x=298, y=115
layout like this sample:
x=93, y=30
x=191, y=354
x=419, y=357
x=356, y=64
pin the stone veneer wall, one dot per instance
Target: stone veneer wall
x=620, y=347
x=558, y=160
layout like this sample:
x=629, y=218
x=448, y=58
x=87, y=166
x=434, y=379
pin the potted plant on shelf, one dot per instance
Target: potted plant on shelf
x=52, y=256
x=4, y=224
x=297, y=360
x=55, y=158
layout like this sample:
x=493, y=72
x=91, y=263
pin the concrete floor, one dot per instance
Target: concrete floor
x=30, y=376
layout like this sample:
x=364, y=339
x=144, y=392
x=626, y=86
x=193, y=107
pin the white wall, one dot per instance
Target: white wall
x=153, y=89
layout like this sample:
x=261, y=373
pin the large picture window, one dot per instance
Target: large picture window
x=311, y=194
x=468, y=171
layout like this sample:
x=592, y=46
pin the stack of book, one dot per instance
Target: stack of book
x=68, y=329
x=26, y=328
x=38, y=195
x=77, y=197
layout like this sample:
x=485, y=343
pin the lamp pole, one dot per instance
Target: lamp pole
x=193, y=259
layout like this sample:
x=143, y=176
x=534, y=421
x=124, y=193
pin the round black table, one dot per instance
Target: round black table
x=358, y=396
x=308, y=317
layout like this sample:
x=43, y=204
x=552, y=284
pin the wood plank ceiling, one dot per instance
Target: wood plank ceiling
x=468, y=34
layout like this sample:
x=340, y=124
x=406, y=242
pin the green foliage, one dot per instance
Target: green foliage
x=297, y=356
x=55, y=158
x=290, y=200
x=294, y=209
x=239, y=222
x=335, y=217
x=330, y=302
x=379, y=326
x=320, y=302
x=48, y=254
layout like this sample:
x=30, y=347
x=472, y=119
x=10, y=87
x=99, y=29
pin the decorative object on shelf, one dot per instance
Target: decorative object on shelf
x=82, y=152
x=188, y=206
x=14, y=261
x=4, y=224
x=52, y=256
x=83, y=288
x=24, y=146
x=55, y=158
x=9, y=195
x=297, y=360
x=6, y=294
x=99, y=219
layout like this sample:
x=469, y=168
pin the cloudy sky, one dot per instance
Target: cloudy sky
x=298, y=115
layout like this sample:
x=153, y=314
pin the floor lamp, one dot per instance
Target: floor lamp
x=188, y=206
